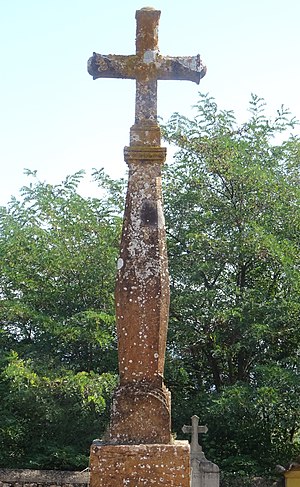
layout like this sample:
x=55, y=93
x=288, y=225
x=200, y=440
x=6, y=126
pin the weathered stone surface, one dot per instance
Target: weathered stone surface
x=140, y=414
x=137, y=449
x=140, y=465
x=146, y=66
x=141, y=406
x=194, y=430
x=142, y=289
x=42, y=478
x=204, y=473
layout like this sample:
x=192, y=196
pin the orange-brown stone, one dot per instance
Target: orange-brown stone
x=142, y=287
x=146, y=66
x=140, y=465
x=141, y=405
x=140, y=414
x=138, y=449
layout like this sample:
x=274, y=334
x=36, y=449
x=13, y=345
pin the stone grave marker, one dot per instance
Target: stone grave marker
x=204, y=473
x=138, y=449
x=194, y=431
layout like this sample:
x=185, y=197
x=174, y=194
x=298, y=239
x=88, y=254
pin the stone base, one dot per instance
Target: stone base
x=140, y=465
x=204, y=473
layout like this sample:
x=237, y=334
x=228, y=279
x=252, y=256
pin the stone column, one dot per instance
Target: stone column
x=141, y=409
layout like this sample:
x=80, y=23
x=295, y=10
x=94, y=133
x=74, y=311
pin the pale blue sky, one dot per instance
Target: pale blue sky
x=56, y=119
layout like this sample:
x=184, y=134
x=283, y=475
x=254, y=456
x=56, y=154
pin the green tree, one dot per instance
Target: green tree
x=232, y=210
x=49, y=421
x=233, y=216
x=57, y=339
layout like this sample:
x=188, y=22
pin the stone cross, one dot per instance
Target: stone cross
x=141, y=404
x=146, y=66
x=194, y=431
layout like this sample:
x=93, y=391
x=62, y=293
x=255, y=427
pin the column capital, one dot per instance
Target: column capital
x=145, y=155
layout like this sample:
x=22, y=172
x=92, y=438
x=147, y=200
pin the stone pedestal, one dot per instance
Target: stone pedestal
x=140, y=465
x=204, y=473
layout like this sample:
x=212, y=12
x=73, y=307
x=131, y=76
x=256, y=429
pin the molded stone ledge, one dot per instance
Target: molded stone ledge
x=144, y=155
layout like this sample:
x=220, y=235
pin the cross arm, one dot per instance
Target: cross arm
x=189, y=429
x=188, y=68
x=186, y=429
x=111, y=66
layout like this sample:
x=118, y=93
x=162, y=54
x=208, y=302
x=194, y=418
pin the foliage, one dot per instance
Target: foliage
x=232, y=211
x=233, y=217
x=48, y=422
x=58, y=365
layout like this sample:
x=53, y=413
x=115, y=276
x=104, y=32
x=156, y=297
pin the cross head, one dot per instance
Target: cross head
x=146, y=66
x=194, y=431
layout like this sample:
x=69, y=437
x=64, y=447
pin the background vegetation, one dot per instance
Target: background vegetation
x=233, y=219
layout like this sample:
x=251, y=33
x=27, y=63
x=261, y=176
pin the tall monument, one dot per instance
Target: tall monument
x=138, y=449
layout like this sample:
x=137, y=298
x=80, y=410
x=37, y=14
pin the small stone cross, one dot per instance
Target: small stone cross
x=194, y=431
